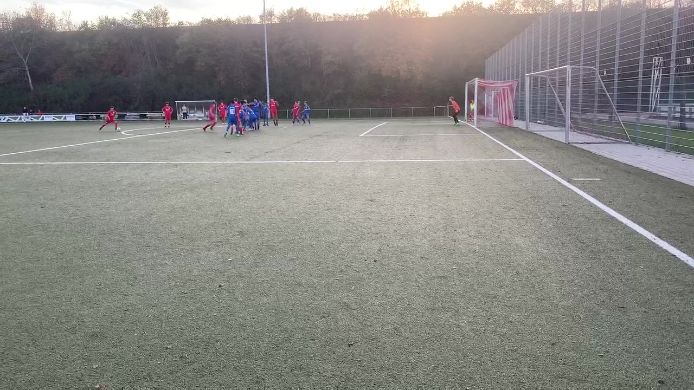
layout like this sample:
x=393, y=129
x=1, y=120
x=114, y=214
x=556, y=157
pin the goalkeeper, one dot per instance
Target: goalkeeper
x=456, y=110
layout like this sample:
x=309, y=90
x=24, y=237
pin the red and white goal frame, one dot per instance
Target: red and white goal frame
x=490, y=99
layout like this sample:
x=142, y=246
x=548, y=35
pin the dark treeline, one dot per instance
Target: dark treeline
x=375, y=62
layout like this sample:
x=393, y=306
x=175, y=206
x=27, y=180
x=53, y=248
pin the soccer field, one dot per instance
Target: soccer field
x=357, y=254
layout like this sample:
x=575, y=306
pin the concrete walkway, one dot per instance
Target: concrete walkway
x=673, y=165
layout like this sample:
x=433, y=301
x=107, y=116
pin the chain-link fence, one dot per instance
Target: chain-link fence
x=643, y=51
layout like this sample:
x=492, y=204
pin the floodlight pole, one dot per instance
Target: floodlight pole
x=267, y=68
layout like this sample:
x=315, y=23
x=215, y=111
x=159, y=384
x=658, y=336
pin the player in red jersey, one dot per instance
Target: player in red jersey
x=455, y=109
x=110, y=117
x=222, y=108
x=212, y=117
x=167, y=110
x=238, y=106
x=274, y=108
x=296, y=111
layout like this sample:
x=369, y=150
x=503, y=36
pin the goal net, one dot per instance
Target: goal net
x=491, y=101
x=193, y=109
x=573, y=103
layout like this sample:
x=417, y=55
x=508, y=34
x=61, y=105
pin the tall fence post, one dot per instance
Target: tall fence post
x=568, y=59
x=539, y=62
x=642, y=44
x=527, y=102
x=615, y=78
x=532, y=65
x=549, y=33
x=475, y=112
x=673, y=72
x=581, y=55
x=567, y=109
x=597, y=60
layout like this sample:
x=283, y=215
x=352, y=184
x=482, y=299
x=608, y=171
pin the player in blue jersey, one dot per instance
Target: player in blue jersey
x=232, y=118
x=265, y=113
x=306, y=114
x=245, y=115
x=256, y=113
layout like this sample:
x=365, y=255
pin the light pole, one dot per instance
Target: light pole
x=267, y=69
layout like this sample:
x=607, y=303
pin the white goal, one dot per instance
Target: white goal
x=572, y=100
x=193, y=109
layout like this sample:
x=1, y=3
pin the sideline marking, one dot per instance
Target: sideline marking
x=96, y=142
x=621, y=218
x=252, y=162
x=373, y=128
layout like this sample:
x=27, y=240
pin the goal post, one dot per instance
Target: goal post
x=193, y=109
x=572, y=100
x=490, y=100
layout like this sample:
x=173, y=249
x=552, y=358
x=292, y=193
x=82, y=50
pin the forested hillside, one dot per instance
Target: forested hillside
x=377, y=62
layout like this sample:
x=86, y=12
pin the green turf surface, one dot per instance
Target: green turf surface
x=681, y=141
x=346, y=271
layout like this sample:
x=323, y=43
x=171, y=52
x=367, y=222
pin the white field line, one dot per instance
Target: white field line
x=127, y=132
x=251, y=162
x=96, y=142
x=420, y=135
x=621, y=218
x=373, y=128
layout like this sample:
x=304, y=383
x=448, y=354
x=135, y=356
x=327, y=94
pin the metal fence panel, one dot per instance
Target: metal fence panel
x=643, y=51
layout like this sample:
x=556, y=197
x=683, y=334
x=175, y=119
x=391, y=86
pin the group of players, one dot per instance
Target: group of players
x=239, y=115
x=243, y=115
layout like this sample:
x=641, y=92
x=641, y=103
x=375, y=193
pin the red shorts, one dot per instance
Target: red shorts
x=110, y=120
x=167, y=117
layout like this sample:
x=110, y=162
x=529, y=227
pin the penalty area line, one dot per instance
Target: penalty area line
x=422, y=135
x=611, y=212
x=96, y=142
x=373, y=128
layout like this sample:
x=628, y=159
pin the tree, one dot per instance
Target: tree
x=295, y=15
x=504, y=6
x=470, y=7
x=155, y=17
x=538, y=6
x=109, y=23
x=399, y=8
x=22, y=33
x=244, y=20
x=270, y=15
x=65, y=23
